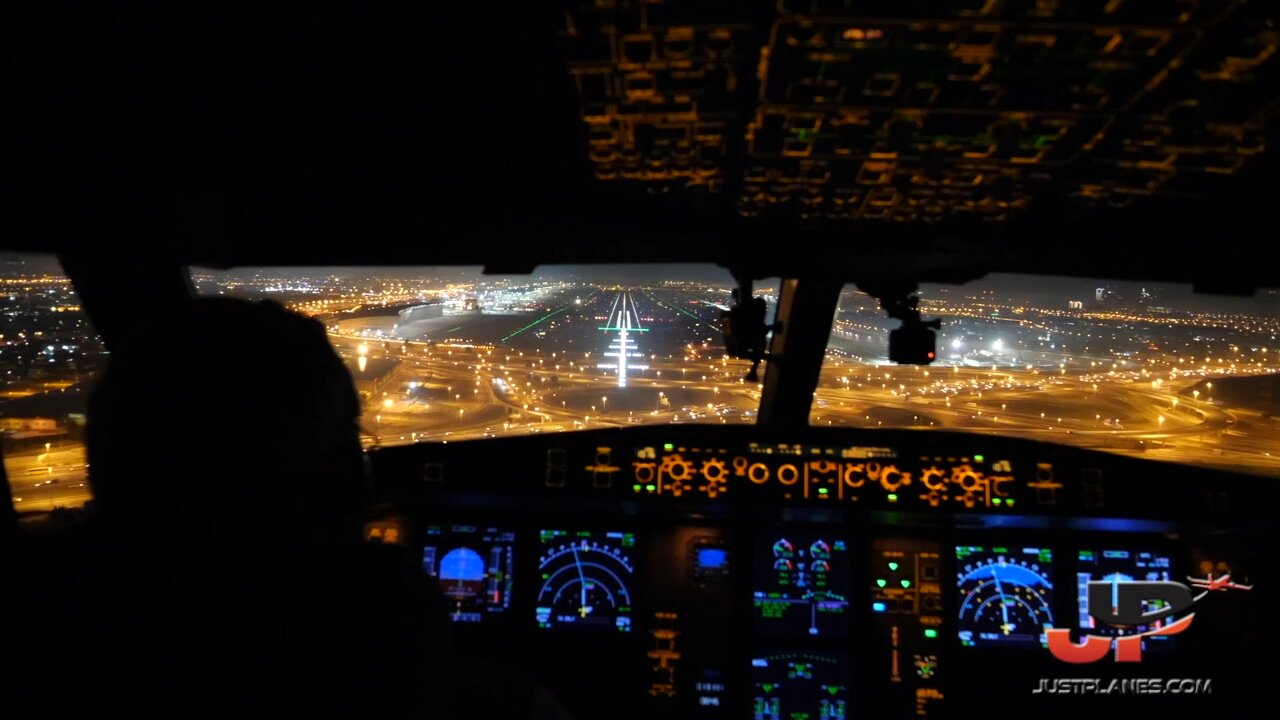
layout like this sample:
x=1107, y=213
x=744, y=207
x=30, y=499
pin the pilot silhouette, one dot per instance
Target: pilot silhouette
x=224, y=570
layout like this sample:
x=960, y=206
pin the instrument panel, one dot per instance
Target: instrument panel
x=633, y=574
x=804, y=584
x=473, y=566
x=586, y=580
x=1004, y=595
x=912, y=112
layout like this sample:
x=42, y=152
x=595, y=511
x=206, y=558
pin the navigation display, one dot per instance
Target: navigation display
x=586, y=579
x=1006, y=595
x=800, y=686
x=474, y=566
x=1117, y=566
x=802, y=584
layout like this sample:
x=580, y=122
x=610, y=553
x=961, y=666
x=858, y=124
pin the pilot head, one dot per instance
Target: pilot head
x=233, y=417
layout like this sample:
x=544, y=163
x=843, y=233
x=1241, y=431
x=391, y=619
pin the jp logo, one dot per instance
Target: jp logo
x=1132, y=604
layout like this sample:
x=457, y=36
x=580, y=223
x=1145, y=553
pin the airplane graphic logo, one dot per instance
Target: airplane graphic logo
x=1135, y=603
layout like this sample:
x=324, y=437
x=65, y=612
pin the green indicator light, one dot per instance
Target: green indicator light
x=668, y=446
x=906, y=583
x=893, y=497
x=650, y=487
x=893, y=566
x=977, y=458
x=822, y=491
x=1009, y=502
x=881, y=583
x=930, y=633
x=997, y=501
x=636, y=487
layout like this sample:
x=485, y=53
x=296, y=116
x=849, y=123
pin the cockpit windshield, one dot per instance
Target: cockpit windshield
x=49, y=355
x=449, y=353
x=1130, y=367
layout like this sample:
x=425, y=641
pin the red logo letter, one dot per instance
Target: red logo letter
x=1093, y=649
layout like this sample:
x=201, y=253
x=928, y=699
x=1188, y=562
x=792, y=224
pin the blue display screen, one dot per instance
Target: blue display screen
x=1005, y=595
x=712, y=558
x=474, y=566
x=586, y=579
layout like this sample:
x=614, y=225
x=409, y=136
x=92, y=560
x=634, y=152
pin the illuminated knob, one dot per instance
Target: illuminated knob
x=677, y=468
x=933, y=478
x=966, y=478
x=714, y=470
x=891, y=478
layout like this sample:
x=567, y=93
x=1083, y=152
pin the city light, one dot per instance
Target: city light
x=1017, y=363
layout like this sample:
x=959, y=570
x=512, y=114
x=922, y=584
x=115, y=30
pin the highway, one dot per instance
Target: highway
x=44, y=481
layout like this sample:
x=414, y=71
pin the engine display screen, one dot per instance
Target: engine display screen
x=586, y=579
x=800, y=686
x=474, y=566
x=802, y=584
x=1006, y=595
